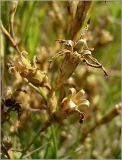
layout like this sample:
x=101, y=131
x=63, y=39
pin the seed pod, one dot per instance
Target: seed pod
x=67, y=67
x=80, y=45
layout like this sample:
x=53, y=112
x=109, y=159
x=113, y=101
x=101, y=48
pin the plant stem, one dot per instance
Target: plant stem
x=36, y=150
x=5, y=150
x=10, y=38
x=40, y=91
x=47, y=124
x=54, y=141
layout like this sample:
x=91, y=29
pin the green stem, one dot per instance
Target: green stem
x=47, y=124
x=40, y=91
x=36, y=150
x=53, y=129
x=30, y=143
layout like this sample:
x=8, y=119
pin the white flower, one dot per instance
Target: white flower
x=73, y=101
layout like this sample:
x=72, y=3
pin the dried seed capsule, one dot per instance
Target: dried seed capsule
x=67, y=67
x=79, y=45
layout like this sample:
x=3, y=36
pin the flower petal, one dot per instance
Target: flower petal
x=78, y=96
x=72, y=91
x=84, y=102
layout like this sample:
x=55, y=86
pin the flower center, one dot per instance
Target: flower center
x=72, y=104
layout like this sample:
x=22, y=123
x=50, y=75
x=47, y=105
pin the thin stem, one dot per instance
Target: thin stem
x=47, y=124
x=60, y=53
x=94, y=65
x=30, y=153
x=54, y=141
x=13, y=7
x=7, y=34
x=96, y=61
x=6, y=152
x=40, y=91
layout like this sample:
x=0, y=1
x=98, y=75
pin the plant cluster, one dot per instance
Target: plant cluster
x=58, y=88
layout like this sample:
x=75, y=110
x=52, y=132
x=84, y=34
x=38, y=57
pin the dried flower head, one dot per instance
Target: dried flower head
x=23, y=66
x=75, y=52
